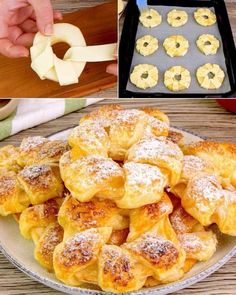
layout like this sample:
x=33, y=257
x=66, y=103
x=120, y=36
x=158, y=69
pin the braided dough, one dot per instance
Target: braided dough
x=146, y=45
x=150, y=18
x=67, y=71
x=144, y=76
x=205, y=17
x=177, y=18
x=210, y=76
x=208, y=44
x=177, y=78
x=176, y=45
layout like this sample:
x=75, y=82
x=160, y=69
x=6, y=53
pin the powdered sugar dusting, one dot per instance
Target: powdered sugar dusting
x=30, y=143
x=7, y=184
x=142, y=174
x=34, y=171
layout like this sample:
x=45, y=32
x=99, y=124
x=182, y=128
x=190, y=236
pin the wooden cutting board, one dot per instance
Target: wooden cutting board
x=99, y=26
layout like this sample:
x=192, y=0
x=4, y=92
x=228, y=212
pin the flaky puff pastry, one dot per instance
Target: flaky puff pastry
x=40, y=150
x=8, y=158
x=144, y=184
x=92, y=176
x=119, y=271
x=191, y=166
x=75, y=259
x=75, y=216
x=35, y=219
x=161, y=152
x=202, y=197
x=143, y=219
x=159, y=251
x=199, y=244
x=51, y=237
x=13, y=198
x=221, y=155
x=89, y=138
x=41, y=182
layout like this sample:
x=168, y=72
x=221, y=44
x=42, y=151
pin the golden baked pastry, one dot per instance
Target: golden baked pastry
x=191, y=166
x=210, y=76
x=46, y=244
x=177, y=18
x=35, y=219
x=89, y=138
x=8, y=158
x=75, y=259
x=111, y=131
x=137, y=199
x=177, y=78
x=13, y=198
x=208, y=44
x=221, y=155
x=119, y=271
x=205, y=17
x=161, y=152
x=41, y=182
x=147, y=45
x=75, y=216
x=144, y=184
x=92, y=176
x=176, y=45
x=150, y=18
x=40, y=150
x=143, y=219
x=144, y=76
x=199, y=244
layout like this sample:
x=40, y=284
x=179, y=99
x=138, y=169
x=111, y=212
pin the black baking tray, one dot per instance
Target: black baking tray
x=127, y=46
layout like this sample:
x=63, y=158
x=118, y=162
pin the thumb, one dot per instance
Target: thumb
x=44, y=15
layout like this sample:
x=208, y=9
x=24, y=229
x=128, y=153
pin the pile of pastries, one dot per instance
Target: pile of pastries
x=177, y=78
x=124, y=203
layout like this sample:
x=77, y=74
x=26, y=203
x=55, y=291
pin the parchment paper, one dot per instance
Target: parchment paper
x=193, y=58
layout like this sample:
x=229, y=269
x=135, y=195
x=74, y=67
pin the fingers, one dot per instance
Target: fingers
x=112, y=69
x=29, y=26
x=8, y=49
x=44, y=15
x=18, y=37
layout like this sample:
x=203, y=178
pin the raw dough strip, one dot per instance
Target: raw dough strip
x=66, y=71
x=92, y=53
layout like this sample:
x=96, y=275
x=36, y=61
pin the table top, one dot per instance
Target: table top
x=202, y=117
x=67, y=6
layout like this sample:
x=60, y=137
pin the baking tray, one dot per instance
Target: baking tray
x=226, y=56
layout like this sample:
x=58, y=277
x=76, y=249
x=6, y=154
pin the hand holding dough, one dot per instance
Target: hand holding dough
x=67, y=71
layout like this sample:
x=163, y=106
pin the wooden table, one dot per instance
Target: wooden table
x=202, y=117
x=73, y=5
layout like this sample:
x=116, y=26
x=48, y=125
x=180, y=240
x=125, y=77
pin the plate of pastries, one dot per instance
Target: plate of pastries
x=121, y=203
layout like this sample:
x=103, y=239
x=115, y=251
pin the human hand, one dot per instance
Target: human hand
x=113, y=68
x=20, y=20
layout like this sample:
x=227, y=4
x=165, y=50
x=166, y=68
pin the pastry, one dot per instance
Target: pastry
x=13, y=198
x=144, y=184
x=137, y=205
x=208, y=44
x=205, y=17
x=40, y=150
x=177, y=18
x=41, y=182
x=92, y=176
x=176, y=45
x=221, y=155
x=150, y=18
x=161, y=152
x=177, y=78
x=144, y=76
x=210, y=76
x=75, y=216
x=147, y=45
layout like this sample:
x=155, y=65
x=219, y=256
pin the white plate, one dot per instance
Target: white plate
x=20, y=252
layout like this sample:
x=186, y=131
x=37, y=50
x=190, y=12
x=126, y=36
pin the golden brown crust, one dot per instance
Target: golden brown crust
x=44, y=249
x=8, y=158
x=12, y=198
x=75, y=216
x=119, y=237
x=38, y=217
x=92, y=176
x=40, y=150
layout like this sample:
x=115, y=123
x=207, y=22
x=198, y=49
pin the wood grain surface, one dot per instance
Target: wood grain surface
x=98, y=24
x=202, y=117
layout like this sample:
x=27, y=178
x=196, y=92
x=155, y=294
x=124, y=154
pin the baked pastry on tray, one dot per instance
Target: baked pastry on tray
x=125, y=204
